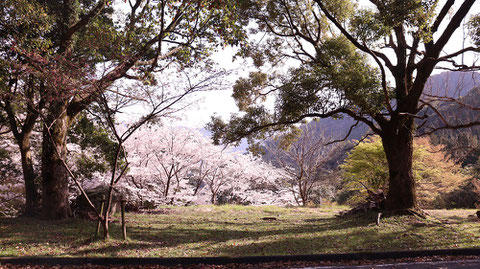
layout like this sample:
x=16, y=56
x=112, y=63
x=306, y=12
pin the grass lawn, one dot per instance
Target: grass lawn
x=239, y=231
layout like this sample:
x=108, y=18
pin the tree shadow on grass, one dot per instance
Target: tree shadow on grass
x=355, y=241
x=76, y=233
x=315, y=244
x=226, y=238
x=54, y=235
x=458, y=219
x=214, y=234
x=32, y=230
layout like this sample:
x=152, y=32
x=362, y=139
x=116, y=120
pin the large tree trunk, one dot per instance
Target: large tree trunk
x=55, y=204
x=32, y=197
x=22, y=138
x=398, y=146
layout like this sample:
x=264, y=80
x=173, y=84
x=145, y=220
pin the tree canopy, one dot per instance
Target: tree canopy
x=60, y=56
x=366, y=61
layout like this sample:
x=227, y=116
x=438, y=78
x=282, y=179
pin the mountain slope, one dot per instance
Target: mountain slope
x=446, y=84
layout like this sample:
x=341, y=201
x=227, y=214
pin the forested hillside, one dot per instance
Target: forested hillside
x=445, y=85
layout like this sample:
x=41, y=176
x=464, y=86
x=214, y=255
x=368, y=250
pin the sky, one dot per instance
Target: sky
x=218, y=102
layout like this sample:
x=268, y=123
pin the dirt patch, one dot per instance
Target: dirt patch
x=160, y=211
x=204, y=209
x=315, y=220
x=457, y=213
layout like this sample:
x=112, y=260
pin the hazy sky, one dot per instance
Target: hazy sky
x=221, y=101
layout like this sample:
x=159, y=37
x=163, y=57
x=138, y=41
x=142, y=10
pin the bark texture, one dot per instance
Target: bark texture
x=32, y=197
x=22, y=133
x=398, y=148
x=55, y=203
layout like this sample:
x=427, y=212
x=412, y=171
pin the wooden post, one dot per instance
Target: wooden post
x=124, y=226
x=379, y=215
x=97, y=231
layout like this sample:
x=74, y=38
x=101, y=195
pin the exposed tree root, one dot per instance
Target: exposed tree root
x=416, y=212
x=375, y=203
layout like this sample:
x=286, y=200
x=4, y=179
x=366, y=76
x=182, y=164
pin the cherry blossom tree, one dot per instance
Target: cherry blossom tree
x=200, y=171
x=261, y=183
x=223, y=170
x=161, y=158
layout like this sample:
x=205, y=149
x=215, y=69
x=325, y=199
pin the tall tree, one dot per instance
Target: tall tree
x=162, y=158
x=93, y=44
x=369, y=62
x=23, y=25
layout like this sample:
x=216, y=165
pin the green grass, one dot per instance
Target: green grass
x=240, y=231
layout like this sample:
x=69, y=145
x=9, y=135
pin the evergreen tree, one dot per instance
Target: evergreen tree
x=368, y=62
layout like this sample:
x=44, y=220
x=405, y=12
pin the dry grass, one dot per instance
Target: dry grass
x=240, y=231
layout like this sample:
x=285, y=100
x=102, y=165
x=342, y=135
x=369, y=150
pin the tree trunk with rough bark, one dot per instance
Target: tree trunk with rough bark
x=55, y=203
x=398, y=146
x=32, y=197
x=22, y=133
